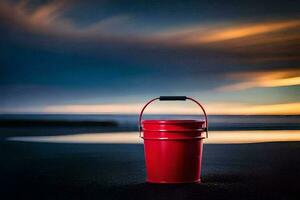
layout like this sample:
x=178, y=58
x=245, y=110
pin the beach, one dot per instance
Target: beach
x=117, y=171
x=74, y=170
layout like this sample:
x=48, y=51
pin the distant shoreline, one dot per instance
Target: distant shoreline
x=129, y=122
x=133, y=126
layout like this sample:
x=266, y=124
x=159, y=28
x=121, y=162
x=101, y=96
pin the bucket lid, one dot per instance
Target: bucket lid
x=172, y=121
x=173, y=125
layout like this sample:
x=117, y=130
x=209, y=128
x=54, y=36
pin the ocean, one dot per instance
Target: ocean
x=130, y=122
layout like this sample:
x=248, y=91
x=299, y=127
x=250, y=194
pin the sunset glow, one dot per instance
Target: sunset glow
x=223, y=108
x=246, y=80
x=215, y=137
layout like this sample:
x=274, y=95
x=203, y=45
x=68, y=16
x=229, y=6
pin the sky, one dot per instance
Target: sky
x=111, y=56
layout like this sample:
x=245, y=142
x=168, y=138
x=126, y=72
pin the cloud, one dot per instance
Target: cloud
x=232, y=42
x=262, y=79
x=43, y=18
x=225, y=32
x=256, y=42
x=50, y=19
x=45, y=15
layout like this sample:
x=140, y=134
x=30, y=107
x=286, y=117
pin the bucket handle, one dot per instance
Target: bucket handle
x=172, y=98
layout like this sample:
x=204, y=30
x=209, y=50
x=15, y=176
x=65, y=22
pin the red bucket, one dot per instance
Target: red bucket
x=173, y=148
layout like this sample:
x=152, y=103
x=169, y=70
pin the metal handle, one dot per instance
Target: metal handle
x=173, y=98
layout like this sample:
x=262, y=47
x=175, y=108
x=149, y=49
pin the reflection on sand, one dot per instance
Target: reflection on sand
x=215, y=137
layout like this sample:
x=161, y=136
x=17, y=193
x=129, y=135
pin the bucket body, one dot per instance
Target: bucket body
x=173, y=150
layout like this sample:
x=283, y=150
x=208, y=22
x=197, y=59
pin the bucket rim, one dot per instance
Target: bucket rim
x=172, y=121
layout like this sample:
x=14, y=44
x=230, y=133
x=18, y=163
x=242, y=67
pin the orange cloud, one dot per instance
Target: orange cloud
x=47, y=14
x=49, y=18
x=219, y=32
x=256, y=42
x=277, y=78
x=243, y=30
x=42, y=18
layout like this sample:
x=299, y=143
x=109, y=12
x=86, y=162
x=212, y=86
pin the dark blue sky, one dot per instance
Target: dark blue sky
x=60, y=53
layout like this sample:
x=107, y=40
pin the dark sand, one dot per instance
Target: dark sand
x=117, y=171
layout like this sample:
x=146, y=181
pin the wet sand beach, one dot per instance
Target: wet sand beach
x=44, y=170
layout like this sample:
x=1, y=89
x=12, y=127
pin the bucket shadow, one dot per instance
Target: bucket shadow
x=212, y=187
